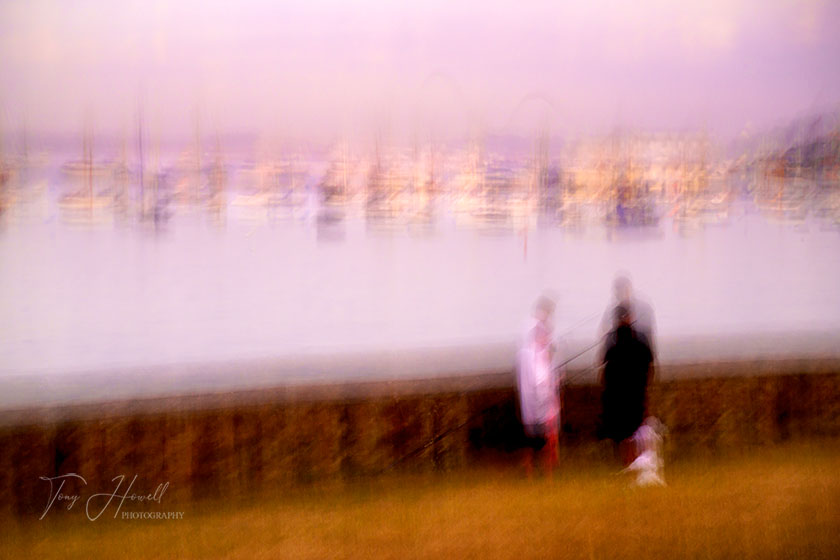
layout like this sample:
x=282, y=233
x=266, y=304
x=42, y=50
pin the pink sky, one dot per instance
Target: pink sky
x=327, y=67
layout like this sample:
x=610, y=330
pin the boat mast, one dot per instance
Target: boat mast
x=88, y=149
x=140, y=151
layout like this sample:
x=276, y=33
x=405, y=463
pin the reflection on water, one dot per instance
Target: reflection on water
x=256, y=272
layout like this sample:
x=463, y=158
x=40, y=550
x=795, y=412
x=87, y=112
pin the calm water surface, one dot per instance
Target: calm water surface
x=76, y=296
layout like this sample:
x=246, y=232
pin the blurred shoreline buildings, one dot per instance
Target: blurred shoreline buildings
x=626, y=178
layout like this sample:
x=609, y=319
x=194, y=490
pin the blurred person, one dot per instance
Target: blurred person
x=628, y=368
x=538, y=385
x=642, y=311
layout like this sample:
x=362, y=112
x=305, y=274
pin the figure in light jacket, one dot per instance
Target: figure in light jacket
x=538, y=384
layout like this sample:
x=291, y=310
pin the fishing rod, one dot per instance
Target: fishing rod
x=484, y=411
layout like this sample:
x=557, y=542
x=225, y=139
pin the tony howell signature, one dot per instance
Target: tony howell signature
x=94, y=500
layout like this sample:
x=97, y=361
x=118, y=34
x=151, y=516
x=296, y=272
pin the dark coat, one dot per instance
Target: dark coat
x=627, y=359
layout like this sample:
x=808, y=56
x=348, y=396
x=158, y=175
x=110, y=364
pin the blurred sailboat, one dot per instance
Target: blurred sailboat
x=85, y=204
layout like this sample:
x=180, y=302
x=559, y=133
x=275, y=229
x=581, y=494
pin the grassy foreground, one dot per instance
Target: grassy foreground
x=779, y=502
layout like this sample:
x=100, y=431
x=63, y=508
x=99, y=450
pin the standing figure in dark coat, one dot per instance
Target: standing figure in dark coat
x=628, y=367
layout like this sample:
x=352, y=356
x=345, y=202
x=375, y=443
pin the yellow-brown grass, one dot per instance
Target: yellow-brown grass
x=777, y=502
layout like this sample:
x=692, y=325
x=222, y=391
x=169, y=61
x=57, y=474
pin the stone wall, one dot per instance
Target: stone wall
x=240, y=445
